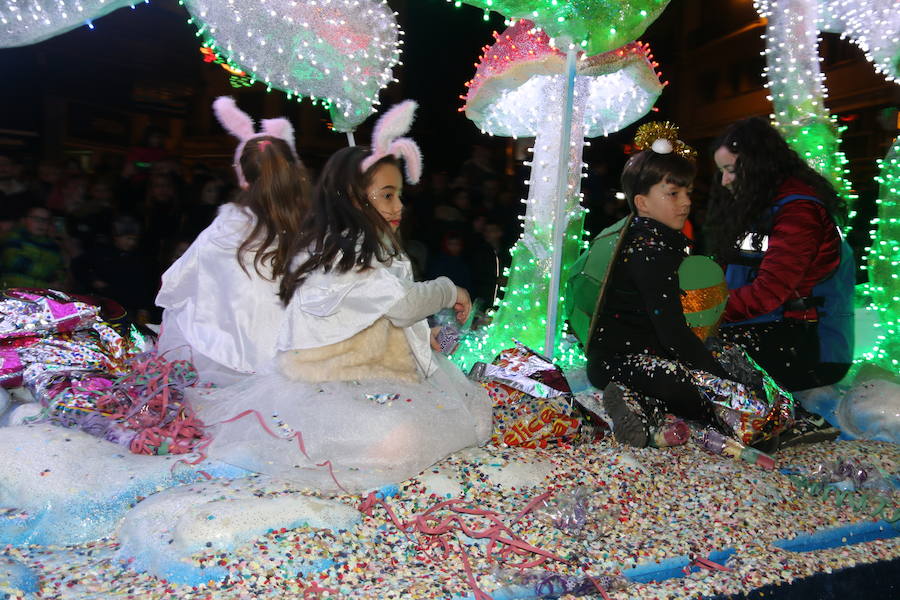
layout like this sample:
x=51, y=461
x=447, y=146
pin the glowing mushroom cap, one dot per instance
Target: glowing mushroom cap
x=599, y=26
x=509, y=93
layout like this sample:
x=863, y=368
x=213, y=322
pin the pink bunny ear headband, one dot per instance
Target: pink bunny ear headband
x=386, y=140
x=240, y=125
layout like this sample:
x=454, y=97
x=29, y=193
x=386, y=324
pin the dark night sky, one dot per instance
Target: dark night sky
x=154, y=42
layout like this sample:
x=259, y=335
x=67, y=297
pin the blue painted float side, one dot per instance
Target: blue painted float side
x=856, y=533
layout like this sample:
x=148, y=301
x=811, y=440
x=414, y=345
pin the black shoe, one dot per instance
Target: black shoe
x=628, y=427
x=768, y=446
x=808, y=429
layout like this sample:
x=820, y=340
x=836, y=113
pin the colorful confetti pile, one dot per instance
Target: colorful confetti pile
x=641, y=506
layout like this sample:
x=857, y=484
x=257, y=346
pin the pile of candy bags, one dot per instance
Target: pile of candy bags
x=94, y=376
x=533, y=404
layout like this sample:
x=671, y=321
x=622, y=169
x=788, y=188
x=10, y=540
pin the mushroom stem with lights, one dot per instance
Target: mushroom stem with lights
x=522, y=88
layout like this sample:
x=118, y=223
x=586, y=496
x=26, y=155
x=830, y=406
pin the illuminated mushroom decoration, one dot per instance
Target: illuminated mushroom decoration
x=33, y=21
x=340, y=53
x=595, y=26
x=337, y=52
x=520, y=90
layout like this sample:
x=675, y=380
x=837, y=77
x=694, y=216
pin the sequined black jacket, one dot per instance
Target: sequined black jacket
x=642, y=311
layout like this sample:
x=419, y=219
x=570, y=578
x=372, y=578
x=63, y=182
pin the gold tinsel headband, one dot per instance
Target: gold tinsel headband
x=662, y=138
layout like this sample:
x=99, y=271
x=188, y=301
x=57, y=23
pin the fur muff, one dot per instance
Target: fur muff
x=378, y=352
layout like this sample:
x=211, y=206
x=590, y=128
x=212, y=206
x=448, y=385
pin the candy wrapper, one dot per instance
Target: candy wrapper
x=533, y=404
x=855, y=473
x=11, y=365
x=753, y=406
x=547, y=584
x=28, y=313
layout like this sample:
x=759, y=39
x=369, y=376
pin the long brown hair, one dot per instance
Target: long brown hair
x=342, y=230
x=277, y=196
x=764, y=162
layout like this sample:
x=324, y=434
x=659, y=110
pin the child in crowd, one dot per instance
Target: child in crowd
x=220, y=298
x=360, y=380
x=119, y=271
x=642, y=348
x=29, y=254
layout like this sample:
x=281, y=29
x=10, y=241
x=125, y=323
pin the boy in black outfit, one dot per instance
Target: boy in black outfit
x=641, y=347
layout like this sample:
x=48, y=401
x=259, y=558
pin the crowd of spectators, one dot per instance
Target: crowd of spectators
x=112, y=229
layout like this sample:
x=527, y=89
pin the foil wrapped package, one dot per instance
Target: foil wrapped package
x=27, y=313
x=753, y=406
x=533, y=404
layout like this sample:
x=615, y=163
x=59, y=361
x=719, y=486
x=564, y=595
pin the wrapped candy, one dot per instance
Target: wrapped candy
x=862, y=476
x=547, y=584
x=29, y=313
x=532, y=401
x=717, y=443
x=570, y=510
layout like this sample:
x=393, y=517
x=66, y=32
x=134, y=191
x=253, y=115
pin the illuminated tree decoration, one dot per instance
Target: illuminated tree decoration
x=518, y=91
x=337, y=52
x=798, y=93
x=596, y=25
x=884, y=264
x=24, y=22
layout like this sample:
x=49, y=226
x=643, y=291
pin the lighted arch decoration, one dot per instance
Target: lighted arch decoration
x=797, y=91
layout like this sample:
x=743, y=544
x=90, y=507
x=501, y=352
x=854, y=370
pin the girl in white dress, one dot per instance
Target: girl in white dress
x=361, y=399
x=220, y=299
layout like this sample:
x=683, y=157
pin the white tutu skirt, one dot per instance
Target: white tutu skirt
x=356, y=435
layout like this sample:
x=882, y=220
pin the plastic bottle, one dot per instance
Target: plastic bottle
x=717, y=443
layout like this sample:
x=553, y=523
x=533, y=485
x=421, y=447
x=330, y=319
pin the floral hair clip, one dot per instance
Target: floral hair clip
x=662, y=138
x=386, y=140
x=240, y=125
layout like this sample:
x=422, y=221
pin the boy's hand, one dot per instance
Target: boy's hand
x=463, y=305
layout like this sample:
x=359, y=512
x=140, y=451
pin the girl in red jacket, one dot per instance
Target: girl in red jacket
x=774, y=222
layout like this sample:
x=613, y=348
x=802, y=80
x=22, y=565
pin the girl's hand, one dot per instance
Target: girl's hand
x=463, y=304
x=434, y=343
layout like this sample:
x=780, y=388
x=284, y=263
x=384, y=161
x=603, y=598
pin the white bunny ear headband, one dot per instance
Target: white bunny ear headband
x=386, y=140
x=240, y=125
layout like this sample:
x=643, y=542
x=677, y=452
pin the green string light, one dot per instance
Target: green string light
x=883, y=261
x=587, y=23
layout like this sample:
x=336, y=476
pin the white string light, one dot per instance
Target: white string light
x=337, y=52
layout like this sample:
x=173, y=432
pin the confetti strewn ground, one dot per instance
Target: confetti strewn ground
x=645, y=505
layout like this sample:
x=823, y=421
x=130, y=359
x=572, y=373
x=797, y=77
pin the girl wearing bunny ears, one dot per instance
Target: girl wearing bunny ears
x=220, y=299
x=362, y=384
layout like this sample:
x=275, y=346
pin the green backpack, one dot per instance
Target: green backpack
x=587, y=277
x=704, y=292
